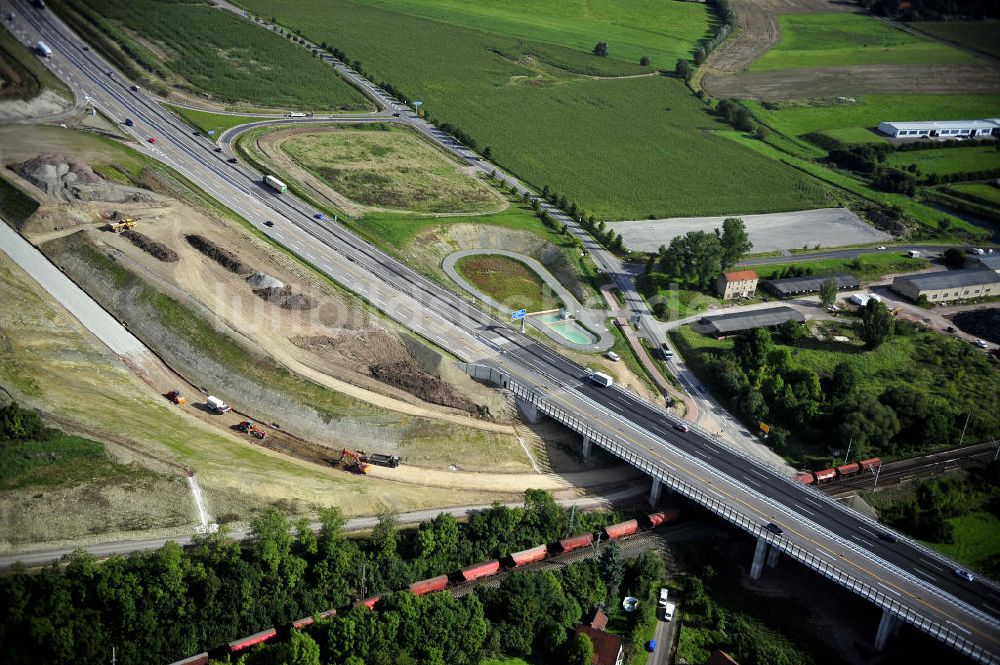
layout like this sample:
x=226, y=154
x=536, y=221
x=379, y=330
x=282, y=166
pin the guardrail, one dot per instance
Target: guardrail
x=723, y=509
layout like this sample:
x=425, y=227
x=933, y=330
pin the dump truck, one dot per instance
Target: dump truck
x=216, y=405
x=248, y=427
x=126, y=224
x=43, y=50
x=391, y=461
x=176, y=397
x=275, y=184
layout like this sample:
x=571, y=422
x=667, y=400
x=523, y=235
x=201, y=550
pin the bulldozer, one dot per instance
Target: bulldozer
x=126, y=224
x=357, y=465
x=248, y=427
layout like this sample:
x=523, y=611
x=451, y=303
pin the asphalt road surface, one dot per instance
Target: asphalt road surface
x=919, y=578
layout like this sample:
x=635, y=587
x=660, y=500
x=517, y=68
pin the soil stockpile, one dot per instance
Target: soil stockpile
x=276, y=295
x=275, y=291
x=150, y=246
x=299, y=301
x=223, y=257
x=66, y=178
x=407, y=376
x=983, y=323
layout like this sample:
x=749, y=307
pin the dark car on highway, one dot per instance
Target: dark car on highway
x=218, y=150
x=268, y=223
x=887, y=537
x=233, y=160
x=681, y=427
x=774, y=528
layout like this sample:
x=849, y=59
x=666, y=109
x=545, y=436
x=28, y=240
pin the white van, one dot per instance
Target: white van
x=602, y=379
x=668, y=612
x=663, y=597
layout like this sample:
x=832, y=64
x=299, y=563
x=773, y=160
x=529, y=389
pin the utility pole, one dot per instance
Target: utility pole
x=572, y=521
x=877, y=471
x=364, y=576
x=997, y=453
x=114, y=660
x=849, y=444
x=964, y=427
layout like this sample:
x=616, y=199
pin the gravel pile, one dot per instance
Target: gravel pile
x=66, y=178
x=260, y=280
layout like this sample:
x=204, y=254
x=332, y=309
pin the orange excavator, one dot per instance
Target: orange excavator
x=357, y=464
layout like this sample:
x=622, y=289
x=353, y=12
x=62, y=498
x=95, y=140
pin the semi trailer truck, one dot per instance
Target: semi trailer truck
x=275, y=184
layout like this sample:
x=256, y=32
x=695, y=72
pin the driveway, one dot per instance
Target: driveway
x=664, y=636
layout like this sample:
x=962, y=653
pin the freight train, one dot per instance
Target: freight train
x=838, y=472
x=442, y=582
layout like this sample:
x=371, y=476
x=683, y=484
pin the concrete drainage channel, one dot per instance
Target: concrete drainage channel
x=574, y=327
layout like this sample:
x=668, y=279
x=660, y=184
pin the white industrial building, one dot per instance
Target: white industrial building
x=941, y=129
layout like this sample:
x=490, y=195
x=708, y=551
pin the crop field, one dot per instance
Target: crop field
x=801, y=117
x=216, y=52
x=946, y=161
x=978, y=35
x=387, y=169
x=840, y=39
x=663, y=31
x=508, y=281
x=620, y=149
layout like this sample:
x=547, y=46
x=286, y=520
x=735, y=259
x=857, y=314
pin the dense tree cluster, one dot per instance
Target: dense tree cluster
x=932, y=10
x=163, y=605
x=697, y=257
x=764, y=383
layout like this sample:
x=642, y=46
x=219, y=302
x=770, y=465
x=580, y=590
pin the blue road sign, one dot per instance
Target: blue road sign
x=518, y=315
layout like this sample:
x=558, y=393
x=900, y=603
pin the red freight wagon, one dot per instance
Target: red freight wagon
x=870, y=463
x=525, y=557
x=616, y=531
x=805, y=478
x=825, y=474
x=576, y=542
x=256, y=638
x=427, y=586
x=480, y=570
x=200, y=659
x=302, y=623
x=369, y=602
x=663, y=517
x=848, y=469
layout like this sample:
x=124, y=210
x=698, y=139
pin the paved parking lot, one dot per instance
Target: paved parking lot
x=827, y=227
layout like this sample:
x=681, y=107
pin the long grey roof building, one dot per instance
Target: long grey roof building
x=726, y=324
x=947, y=285
x=791, y=286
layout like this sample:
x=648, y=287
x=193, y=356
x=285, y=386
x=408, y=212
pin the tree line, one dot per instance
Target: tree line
x=167, y=604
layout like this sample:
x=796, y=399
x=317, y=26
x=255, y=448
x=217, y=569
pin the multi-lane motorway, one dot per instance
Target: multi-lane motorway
x=921, y=580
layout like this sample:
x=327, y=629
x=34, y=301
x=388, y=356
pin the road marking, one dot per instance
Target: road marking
x=868, y=531
x=806, y=510
x=964, y=630
x=924, y=575
x=890, y=590
x=698, y=452
x=278, y=235
x=750, y=480
x=931, y=563
x=758, y=474
x=309, y=256
x=822, y=553
x=991, y=609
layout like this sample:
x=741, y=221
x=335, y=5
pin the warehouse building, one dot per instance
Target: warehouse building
x=950, y=285
x=987, y=262
x=730, y=324
x=794, y=286
x=941, y=129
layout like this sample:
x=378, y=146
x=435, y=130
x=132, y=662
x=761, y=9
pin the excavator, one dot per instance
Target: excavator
x=357, y=464
x=248, y=427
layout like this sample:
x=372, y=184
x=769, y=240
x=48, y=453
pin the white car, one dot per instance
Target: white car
x=981, y=343
x=881, y=247
x=611, y=355
x=663, y=597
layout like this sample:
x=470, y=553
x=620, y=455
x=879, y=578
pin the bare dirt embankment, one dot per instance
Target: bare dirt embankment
x=727, y=76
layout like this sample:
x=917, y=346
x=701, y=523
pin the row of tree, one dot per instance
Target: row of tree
x=161, y=606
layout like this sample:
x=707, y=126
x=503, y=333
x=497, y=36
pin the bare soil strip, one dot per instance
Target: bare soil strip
x=858, y=80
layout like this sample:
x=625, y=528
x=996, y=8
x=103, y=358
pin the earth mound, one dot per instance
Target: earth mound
x=67, y=179
x=157, y=249
x=223, y=257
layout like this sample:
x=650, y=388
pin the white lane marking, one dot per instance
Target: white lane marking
x=991, y=609
x=278, y=235
x=869, y=532
x=309, y=256
x=930, y=563
x=750, y=480
x=924, y=575
x=890, y=590
x=698, y=452
x=822, y=553
x=805, y=510
x=959, y=627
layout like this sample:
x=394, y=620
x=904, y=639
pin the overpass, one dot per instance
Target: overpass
x=910, y=583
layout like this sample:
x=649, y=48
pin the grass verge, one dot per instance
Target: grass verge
x=507, y=281
x=864, y=266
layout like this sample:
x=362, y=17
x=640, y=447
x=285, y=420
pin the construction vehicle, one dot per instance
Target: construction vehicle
x=248, y=427
x=176, y=397
x=391, y=461
x=357, y=465
x=126, y=224
x=216, y=405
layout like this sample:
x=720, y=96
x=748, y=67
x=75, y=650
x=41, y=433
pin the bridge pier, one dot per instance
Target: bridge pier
x=529, y=412
x=772, y=557
x=887, y=625
x=654, y=492
x=587, y=444
x=757, y=567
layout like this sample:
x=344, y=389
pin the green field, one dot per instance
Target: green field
x=979, y=35
x=989, y=194
x=211, y=122
x=848, y=136
x=864, y=266
x=664, y=31
x=209, y=50
x=389, y=168
x=840, y=40
x=977, y=541
x=507, y=281
x=620, y=149
x=947, y=161
x=800, y=117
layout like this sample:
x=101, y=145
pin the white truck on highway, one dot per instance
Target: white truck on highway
x=602, y=379
x=43, y=50
x=275, y=184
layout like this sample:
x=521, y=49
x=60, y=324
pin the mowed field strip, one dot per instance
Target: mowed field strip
x=619, y=148
x=827, y=227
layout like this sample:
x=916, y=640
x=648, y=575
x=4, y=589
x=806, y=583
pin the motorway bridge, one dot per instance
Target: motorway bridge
x=909, y=582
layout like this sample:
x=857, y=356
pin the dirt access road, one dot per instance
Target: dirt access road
x=727, y=76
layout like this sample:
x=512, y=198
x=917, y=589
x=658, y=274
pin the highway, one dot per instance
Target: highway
x=920, y=579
